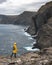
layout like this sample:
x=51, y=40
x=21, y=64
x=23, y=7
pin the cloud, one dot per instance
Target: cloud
x=12, y=7
x=33, y=6
x=1, y=1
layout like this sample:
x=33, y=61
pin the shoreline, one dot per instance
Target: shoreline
x=30, y=58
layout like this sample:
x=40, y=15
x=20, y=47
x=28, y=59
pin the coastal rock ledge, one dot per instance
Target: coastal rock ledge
x=43, y=57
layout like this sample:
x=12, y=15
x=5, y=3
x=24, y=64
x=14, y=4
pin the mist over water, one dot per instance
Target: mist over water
x=14, y=33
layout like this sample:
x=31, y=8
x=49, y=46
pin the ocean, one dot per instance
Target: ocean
x=14, y=33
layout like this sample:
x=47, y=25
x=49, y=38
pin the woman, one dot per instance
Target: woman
x=14, y=51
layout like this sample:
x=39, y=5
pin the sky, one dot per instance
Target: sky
x=16, y=7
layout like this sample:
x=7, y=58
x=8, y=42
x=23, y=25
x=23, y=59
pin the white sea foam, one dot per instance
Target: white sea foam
x=33, y=43
x=27, y=34
x=30, y=49
x=30, y=38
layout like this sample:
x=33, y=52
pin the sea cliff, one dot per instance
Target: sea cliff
x=43, y=26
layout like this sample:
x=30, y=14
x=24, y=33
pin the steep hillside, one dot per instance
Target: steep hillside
x=7, y=19
x=43, y=26
x=25, y=18
x=22, y=19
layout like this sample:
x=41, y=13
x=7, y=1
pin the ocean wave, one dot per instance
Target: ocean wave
x=27, y=34
x=30, y=49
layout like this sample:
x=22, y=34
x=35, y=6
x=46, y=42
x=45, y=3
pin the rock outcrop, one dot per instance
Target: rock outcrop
x=41, y=17
x=43, y=57
x=44, y=38
x=31, y=29
x=43, y=26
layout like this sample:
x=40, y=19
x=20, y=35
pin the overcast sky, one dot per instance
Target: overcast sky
x=15, y=7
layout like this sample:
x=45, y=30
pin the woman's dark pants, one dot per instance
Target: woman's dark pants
x=13, y=54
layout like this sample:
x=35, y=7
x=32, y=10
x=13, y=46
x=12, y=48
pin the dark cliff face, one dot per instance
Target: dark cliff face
x=25, y=18
x=31, y=29
x=43, y=22
x=44, y=13
x=41, y=18
x=22, y=19
x=4, y=19
x=44, y=38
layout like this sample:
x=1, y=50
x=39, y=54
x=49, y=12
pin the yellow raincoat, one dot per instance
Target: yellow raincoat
x=15, y=48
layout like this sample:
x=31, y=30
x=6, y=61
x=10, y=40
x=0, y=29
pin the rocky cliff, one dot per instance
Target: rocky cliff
x=25, y=18
x=44, y=38
x=22, y=19
x=5, y=19
x=43, y=26
x=43, y=14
